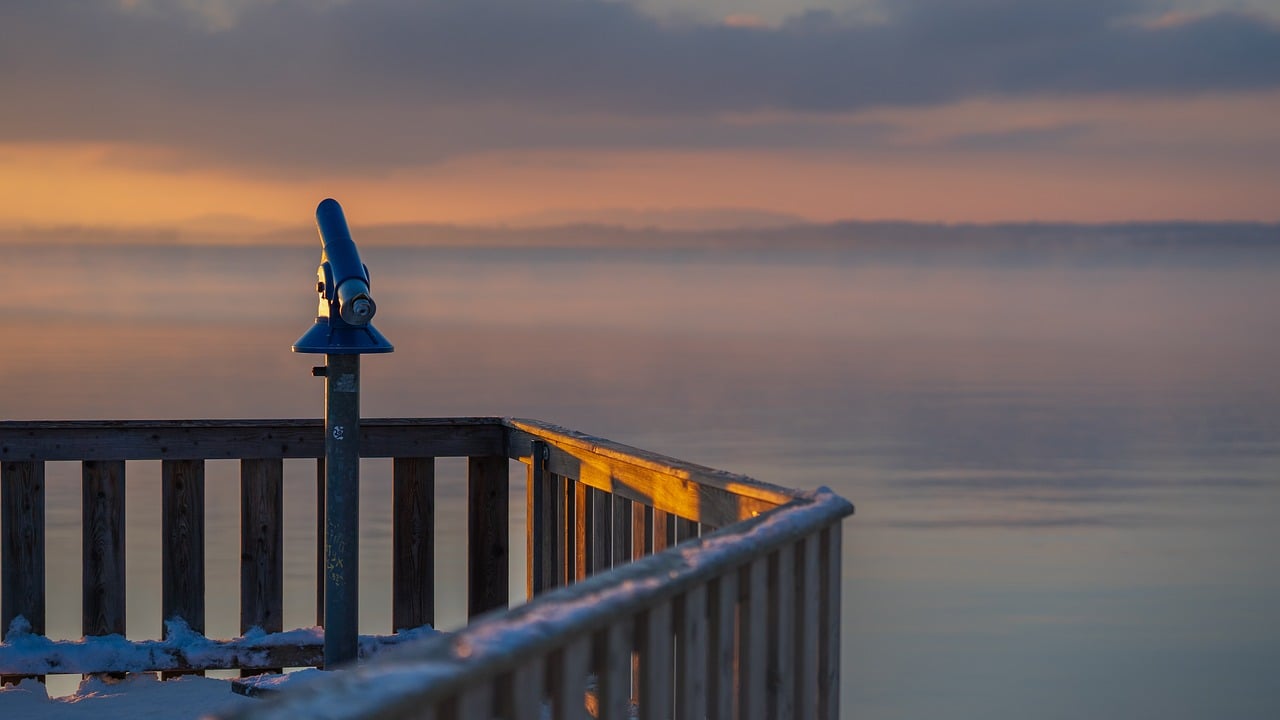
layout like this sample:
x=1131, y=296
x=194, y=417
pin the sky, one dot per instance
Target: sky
x=245, y=113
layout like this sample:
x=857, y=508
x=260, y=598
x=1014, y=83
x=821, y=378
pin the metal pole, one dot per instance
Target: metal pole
x=342, y=507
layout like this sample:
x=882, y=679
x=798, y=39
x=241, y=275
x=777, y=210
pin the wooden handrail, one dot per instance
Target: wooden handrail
x=640, y=565
x=419, y=679
x=238, y=439
x=686, y=490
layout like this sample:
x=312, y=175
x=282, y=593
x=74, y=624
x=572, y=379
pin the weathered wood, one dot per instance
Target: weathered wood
x=754, y=639
x=581, y=531
x=434, y=670
x=413, y=543
x=524, y=430
x=781, y=686
x=621, y=530
x=533, y=541
x=601, y=531
x=526, y=690
x=103, y=588
x=808, y=591
x=722, y=671
x=641, y=546
x=685, y=529
x=613, y=669
x=540, y=520
x=569, y=530
x=182, y=545
x=829, y=623
x=691, y=654
x=476, y=702
x=487, y=536
x=235, y=439
x=685, y=489
x=663, y=531
x=559, y=530
x=680, y=493
x=568, y=678
x=22, y=546
x=320, y=522
x=262, y=547
x=641, y=530
x=654, y=642
x=74, y=657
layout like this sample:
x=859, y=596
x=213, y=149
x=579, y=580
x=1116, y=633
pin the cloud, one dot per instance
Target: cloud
x=376, y=84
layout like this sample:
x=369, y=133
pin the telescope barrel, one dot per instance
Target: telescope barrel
x=343, y=324
x=350, y=279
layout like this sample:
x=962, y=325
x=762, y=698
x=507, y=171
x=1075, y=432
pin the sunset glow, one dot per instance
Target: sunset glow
x=106, y=136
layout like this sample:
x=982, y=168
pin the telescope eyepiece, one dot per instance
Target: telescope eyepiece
x=355, y=304
x=359, y=312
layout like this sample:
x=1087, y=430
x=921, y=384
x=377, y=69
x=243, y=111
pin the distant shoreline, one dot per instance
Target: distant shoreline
x=876, y=238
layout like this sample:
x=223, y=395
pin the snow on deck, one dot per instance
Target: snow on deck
x=25, y=653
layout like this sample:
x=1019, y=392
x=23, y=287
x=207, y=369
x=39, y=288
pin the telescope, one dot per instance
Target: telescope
x=342, y=332
x=342, y=324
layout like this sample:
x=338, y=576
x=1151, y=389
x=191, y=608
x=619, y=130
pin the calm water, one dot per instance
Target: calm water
x=1067, y=474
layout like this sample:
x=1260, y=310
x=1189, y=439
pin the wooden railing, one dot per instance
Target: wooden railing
x=681, y=589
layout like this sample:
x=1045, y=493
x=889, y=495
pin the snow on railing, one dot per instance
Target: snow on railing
x=676, y=586
x=741, y=623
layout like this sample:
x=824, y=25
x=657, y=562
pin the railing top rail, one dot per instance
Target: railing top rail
x=399, y=682
x=41, y=440
x=741, y=485
x=19, y=426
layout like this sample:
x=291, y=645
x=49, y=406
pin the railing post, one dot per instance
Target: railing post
x=663, y=531
x=413, y=543
x=691, y=654
x=22, y=587
x=654, y=643
x=723, y=652
x=560, y=516
x=782, y=606
x=581, y=531
x=753, y=645
x=488, y=549
x=539, y=519
x=601, y=530
x=641, y=530
x=621, y=530
x=320, y=525
x=612, y=663
x=103, y=589
x=569, y=529
x=829, y=623
x=808, y=591
x=685, y=529
x=261, y=547
x=182, y=544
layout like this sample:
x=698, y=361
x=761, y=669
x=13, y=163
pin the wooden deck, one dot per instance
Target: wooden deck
x=681, y=590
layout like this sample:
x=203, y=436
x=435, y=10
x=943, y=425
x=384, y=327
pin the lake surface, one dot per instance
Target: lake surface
x=1067, y=473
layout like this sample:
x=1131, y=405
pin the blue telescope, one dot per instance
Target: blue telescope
x=346, y=305
x=343, y=333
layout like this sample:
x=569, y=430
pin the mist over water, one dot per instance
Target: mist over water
x=1066, y=472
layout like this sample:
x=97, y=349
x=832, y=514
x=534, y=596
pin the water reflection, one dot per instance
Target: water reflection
x=1066, y=476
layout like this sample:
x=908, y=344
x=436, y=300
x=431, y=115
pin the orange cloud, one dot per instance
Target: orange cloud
x=1099, y=160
